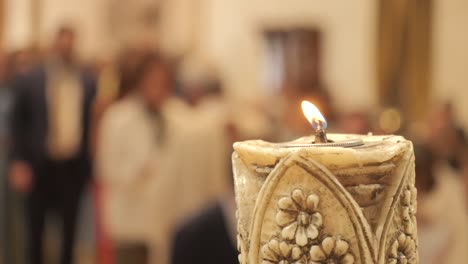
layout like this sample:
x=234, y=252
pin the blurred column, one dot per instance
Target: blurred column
x=450, y=55
x=404, y=55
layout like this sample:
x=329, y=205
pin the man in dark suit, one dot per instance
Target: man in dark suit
x=207, y=239
x=50, y=157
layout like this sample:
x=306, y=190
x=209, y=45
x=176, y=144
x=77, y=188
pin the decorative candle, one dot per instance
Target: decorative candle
x=348, y=199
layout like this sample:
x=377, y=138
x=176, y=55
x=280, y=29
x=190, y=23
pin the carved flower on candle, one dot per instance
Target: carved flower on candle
x=409, y=206
x=280, y=252
x=403, y=251
x=332, y=250
x=299, y=218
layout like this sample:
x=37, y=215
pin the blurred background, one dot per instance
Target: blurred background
x=117, y=117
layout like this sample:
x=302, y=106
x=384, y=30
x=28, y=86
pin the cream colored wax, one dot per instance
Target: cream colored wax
x=326, y=204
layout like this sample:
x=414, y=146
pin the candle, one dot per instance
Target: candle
x=345, y=199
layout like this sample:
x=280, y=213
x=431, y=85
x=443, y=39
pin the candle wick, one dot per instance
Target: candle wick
x=320, y=134
x=319, y=124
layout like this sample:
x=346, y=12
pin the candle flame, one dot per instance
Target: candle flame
x=313, y=115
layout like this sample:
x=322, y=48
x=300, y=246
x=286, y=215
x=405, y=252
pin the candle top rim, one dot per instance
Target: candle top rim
x=375, y=148
x=334, y=136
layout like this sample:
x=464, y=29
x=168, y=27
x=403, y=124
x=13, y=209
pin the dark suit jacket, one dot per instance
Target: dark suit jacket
x=205, y=240
x=30, y=120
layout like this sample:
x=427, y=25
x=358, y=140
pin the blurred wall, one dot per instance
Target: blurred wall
x=180, y=26
x=450, y=77
x=229, y=33
x=233, y=38
x=17, y=22
x=86, y=15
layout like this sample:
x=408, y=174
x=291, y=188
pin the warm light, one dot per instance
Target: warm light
x=313, y=115
x=390, y=120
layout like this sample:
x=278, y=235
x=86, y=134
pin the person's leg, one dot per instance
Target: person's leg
x=16, y=224
x=68, y=211
x=36, y=209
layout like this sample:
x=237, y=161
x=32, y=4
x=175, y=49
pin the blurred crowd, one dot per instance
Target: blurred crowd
x=150, y=138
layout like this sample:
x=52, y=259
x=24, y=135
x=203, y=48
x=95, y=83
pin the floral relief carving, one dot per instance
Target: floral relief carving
x=276, y=252
x=299, y=218
x=298, y=241
x=408, y=210
x=403, y=250
x=331, y=251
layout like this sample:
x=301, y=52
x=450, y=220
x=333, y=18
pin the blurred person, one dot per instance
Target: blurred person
x=442, y=235
x=446, y=137
x=12, y=65
x=50, y=131
x=22, y=61
x=187, y=168
x=10, y=209
x=210, y=236
x=135, y=139
x=114, y=83
x=199, y=81
x=5, y=105
x=203, y=168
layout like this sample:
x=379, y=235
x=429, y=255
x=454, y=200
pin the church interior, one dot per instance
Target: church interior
x=117, y=117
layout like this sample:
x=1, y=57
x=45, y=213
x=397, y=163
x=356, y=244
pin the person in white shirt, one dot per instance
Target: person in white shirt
x=135, y=141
